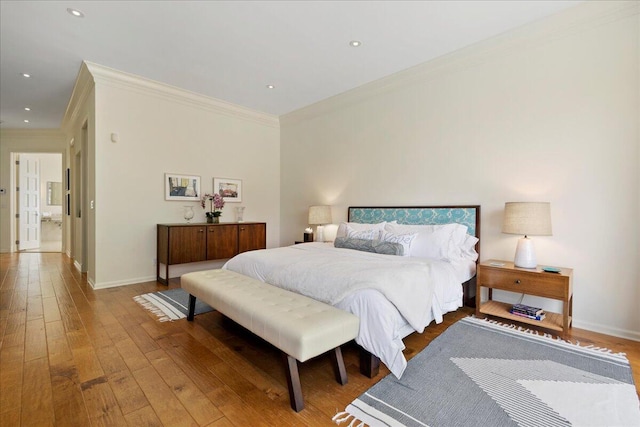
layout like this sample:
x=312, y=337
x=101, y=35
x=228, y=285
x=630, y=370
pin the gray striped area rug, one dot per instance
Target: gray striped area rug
x=482, y=373
x=172, y=304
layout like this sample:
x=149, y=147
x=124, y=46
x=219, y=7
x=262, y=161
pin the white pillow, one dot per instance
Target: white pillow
x=468, y=248
x=443, y=241
x=368, y=234
x=342, y=229
x=403, y=239
x=459, y=229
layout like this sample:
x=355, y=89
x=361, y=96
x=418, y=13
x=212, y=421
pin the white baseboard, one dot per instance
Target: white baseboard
x=78, y=266
x=607, y=330
x=116, y=283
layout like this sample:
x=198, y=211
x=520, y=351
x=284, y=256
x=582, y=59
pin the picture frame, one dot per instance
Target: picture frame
x=181, y=187
x=229, y=189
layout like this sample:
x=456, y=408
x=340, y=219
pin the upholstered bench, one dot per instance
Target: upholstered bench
x=299, y=326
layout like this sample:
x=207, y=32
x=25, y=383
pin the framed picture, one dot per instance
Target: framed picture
x=181, y=187
x=229, y=189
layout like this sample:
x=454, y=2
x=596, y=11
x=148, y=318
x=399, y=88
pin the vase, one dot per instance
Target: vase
x=188, y=213
x=213, y=219
x=240, y=214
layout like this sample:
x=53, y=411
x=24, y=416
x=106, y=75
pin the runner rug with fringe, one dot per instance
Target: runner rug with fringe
x=481, y=373
x=172, y=304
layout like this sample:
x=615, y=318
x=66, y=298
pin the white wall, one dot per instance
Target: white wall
x=165, y=130
x=549, y=112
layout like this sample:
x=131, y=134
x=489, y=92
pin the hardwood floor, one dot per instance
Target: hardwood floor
x=74, y=356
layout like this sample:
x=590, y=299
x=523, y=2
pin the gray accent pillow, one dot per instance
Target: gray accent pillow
x=375, y=246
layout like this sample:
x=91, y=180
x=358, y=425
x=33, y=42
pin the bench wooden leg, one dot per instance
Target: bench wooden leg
x=369, y=364
x=293, y=381
x=192, y=307
x=338, y=366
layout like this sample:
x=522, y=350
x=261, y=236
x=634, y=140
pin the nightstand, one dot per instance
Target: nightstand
x=503, y=275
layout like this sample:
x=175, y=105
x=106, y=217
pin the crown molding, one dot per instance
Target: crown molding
x=81, y=90
x=578, y=19
x=111, y=77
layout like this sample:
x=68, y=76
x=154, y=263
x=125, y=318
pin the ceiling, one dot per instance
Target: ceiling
x=231, y=50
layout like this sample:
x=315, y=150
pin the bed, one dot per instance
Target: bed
x=397, y=268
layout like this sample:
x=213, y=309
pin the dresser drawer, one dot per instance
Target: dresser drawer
x=547, y=285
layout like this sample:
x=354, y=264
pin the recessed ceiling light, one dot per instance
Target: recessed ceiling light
x=26, y=121
x=271, y=87
x=355, y=43
x=75, y=12
x=27, y=109
x=25, y=75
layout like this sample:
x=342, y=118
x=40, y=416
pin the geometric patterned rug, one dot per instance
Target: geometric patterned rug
x=482, y=373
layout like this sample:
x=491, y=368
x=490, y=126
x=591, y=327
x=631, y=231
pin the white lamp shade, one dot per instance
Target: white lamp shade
x=319, y=215
x=527, y=218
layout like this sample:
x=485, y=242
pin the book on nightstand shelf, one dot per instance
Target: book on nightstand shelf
x=527, y=316
x=526, y=309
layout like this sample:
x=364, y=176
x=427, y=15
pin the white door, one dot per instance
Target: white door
x=29, y=196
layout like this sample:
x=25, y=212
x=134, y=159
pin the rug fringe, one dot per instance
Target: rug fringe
x=600, y=349
x=342, y=417
x=162, y=317
x=547, y=335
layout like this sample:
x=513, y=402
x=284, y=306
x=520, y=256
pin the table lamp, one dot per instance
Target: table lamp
x=528, y=219
x=319, y=215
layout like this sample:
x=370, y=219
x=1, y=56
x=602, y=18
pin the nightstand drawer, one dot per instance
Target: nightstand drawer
x=548, y=285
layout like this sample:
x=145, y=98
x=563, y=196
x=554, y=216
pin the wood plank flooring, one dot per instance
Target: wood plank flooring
x=74, y=356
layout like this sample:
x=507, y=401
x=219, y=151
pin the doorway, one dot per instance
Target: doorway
x=78, y=206
x=39, y=178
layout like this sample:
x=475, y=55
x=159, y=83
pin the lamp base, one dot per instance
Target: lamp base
x=320, y=234
x=525, y=254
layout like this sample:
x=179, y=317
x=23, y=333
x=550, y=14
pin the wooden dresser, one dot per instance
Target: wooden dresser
x=184, y=243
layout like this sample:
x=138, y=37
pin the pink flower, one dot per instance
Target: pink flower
x=217, y=203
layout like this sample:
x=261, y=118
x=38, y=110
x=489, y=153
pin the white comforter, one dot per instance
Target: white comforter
x=384, y=291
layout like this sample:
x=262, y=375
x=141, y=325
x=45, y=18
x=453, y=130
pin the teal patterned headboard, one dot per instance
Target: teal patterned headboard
x=466, y=215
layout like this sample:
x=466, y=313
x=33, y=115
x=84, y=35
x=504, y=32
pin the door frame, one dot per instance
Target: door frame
x=78, y=220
